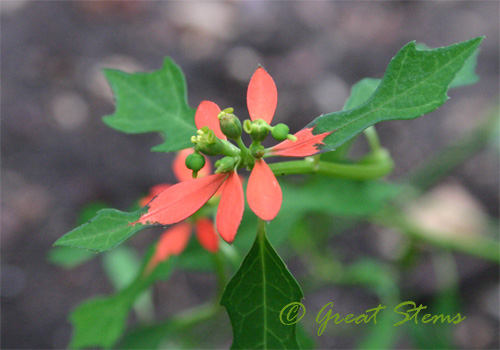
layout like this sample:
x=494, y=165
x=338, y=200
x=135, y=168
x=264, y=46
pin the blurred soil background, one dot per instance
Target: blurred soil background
x=58, y=156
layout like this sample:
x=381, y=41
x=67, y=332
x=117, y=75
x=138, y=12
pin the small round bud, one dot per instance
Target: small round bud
x=257, y=150
x=195, y=162
x=280, y=132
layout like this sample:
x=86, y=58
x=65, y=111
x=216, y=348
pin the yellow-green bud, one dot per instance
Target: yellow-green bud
x=230, y=124
x=280, y=132
x=260, y=130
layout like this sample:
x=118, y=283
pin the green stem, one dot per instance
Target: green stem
x=194, y=316
x=357, y=171
x=476, y=245
x=372, y=137
x=245, y=153
x=445, y=161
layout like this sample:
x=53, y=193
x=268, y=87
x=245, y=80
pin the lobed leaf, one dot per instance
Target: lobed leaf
x=255, y=296
x=105, y=231
x=153, y=102
x=415, y=83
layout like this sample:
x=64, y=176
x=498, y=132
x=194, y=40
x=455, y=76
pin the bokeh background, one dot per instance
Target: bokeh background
x=58, y=156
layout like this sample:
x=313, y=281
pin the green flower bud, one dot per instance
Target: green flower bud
x=225, y=164
x=230, y=124
x=257, y=150
x=260, y=130
x=280, y=132
x=195, y=162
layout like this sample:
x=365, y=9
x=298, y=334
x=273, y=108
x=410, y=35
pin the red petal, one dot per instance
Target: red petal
x=231, y=208
x=305, y=145
x=153, y=192
x=172, y=242
x=207, y=114
x=208, y=238
x=181, y=200
x=263, y=192
x=262, y=96
x=181, y=172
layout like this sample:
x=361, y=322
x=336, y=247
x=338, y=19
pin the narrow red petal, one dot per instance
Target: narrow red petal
x=205, y=232
x=181, y=200
x=305, y=145
x=207, y=114
x=262, y=96
x=153, y=192
x=181, y=172
x=231, y=208
x=172, y=242
x=263, y=192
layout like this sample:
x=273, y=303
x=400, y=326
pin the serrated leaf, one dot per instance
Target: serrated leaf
x=106, y=230
x=255, y=296
x=415, y=83
x=153, y=102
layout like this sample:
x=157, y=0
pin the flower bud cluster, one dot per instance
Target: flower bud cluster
x=208, y=143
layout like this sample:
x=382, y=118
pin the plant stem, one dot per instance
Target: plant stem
x=476, y=245
x=357, y=171
x=372, y=137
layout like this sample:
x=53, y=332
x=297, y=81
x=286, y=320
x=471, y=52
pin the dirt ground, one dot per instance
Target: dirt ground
x=58, y=155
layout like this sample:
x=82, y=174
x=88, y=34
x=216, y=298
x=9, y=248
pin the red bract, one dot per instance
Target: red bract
x=182, y=200
x=173, y=241
x=305, y=145
x=264, y=196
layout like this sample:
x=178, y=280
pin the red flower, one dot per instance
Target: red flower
x=173, y=241
x=264, y=196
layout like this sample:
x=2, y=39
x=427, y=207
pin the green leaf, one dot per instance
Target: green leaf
x=68, y=257
x=153, y=102
x=361, y=91
x=415, y=83
x=467, y=75
x=256, y=295
x=100, y=322
x=105, y=231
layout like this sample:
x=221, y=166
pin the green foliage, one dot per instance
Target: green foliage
x=415, y=83
x=68, y=257
x=100, y=322
x=105, y=231
x=153, y=102
x=255, y=296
